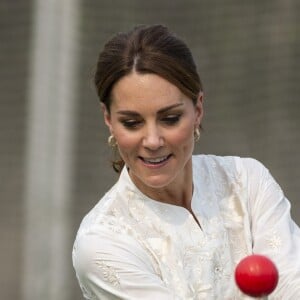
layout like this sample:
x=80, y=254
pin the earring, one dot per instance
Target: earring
x=112, y=142
x=197, y=134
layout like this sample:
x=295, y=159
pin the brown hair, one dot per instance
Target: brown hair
x=146, y=49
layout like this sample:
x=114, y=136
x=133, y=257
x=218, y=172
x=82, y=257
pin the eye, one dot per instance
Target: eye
x=172, y=119
x=131, y=124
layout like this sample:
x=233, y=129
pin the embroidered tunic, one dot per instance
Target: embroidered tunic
x=132, y=247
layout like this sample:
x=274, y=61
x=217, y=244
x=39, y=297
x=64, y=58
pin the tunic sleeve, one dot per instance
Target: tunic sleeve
x=274, y=233
x=114, y=266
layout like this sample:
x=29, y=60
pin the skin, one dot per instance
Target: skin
x=152, y=119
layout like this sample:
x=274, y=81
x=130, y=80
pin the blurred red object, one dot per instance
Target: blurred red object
x=256, y=275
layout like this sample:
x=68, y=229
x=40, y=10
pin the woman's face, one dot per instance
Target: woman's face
x=153, y=123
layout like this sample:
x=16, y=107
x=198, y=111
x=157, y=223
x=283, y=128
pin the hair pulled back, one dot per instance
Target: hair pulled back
x=146, y=49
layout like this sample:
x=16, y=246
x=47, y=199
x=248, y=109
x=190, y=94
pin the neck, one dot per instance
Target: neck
x=179, y=192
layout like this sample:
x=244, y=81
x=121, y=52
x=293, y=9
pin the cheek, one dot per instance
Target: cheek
x=125, y=139
x=126, y=142
x=183, y=135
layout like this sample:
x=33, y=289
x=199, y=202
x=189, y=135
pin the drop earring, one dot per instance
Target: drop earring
x=197, y=134
x=112, y=142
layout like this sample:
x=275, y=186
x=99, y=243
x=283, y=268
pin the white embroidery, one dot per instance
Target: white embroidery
x=274, y=241
x=109, y=273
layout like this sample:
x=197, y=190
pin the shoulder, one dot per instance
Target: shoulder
x=213, y=160
x=109, y=210
x=233, y=163
x=230, y=169
x=95, y=217
x=107, y=228
x=100, y=226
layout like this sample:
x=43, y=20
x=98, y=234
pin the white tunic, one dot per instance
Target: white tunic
x=132, y=247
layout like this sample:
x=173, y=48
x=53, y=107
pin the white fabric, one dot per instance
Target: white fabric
x=132, y=247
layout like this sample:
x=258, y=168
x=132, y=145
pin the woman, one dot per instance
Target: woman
x=174, y=226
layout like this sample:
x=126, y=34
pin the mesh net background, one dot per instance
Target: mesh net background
x=248, y=57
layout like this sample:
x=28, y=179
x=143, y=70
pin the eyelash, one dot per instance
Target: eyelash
x=169, y=121
x=130, y=124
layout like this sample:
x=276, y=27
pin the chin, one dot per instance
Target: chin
x=157, y=182
x=154, y=179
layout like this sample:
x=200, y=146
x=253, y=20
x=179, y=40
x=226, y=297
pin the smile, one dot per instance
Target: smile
x=156, y=160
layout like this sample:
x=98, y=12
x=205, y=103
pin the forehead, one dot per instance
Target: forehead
x=145, y=91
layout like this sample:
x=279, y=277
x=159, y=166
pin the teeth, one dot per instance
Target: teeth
x=155, y=160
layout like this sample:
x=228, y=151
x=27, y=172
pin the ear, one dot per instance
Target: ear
x=199, y=109
x=107, y=117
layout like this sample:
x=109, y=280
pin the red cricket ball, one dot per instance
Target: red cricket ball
x=256, y=275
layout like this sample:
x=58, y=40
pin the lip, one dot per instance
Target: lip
x=155, y=165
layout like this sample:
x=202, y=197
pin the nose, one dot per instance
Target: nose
x=152, y=139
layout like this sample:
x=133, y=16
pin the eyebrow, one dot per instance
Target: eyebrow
x=161, y=111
